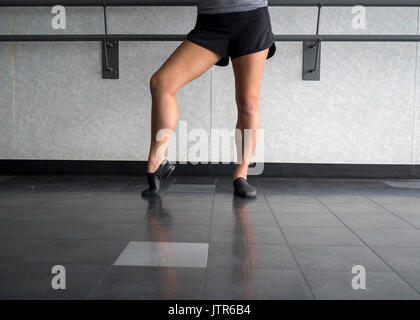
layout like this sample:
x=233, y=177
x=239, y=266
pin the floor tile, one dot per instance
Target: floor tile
x=343, y=199
x=191, y=188
x=164, y=254
x=307, y=220
x=337, y=285
x=250, y=256
x=338, y=258
x=340, y=237
x=43, y=214
x=357, y=209
x=389, y=237
x=298, y=209
x=246, y=233
x=77, y=252
x=413, y=278
x=33, y=281
x=18, y=250
x=18, y=202
x=159, y=216
x=403, y=208
x=375, y=221
x=72, y=203
x=244, y=218
x=4, y=178
x=401, y=259
x=413, y=219
x=133, y=283
x=245, y=283
x=403, y=184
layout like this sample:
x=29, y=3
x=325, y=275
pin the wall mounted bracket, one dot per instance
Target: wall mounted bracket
x=110, y=55
x=311, y=68
x=312, y=55
x=110, y=59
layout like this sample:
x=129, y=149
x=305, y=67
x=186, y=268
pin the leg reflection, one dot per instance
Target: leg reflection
x=244, y=248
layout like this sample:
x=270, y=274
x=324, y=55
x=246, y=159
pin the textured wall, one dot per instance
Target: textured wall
x=54, y=104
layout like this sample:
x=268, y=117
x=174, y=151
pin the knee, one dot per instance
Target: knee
x=160, y=84
x=247, y=105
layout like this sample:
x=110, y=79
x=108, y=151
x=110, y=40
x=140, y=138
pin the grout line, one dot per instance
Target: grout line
x=287, y=243
x=415, y=93
x=209, y=241
x=107, y=271
x=394, y=214
x=209, y=160
x=383, y=260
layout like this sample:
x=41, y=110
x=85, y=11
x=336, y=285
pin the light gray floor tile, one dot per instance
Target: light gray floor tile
x=164, y=254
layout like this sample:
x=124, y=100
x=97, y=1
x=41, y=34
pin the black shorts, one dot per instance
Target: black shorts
x=234, y=34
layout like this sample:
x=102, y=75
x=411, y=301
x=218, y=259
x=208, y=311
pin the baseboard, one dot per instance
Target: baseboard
x=300, y=170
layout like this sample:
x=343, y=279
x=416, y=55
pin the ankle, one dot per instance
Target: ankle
x=152, y=166
x=240, y=174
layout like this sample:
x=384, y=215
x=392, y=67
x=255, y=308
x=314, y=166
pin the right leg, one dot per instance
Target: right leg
x=186, y=63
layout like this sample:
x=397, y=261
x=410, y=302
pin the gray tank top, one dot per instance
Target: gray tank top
x=222, y=6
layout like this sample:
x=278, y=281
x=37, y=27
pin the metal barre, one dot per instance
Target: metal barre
x=180, y=3
x=180, y=37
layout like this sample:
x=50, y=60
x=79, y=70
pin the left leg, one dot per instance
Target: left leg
x=248, y=70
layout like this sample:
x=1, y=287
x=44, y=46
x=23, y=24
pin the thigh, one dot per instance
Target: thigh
x=248, y=71
x=185, y=64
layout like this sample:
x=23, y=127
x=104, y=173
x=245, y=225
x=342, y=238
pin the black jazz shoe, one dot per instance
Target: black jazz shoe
x=165, y=169
x=243, y=188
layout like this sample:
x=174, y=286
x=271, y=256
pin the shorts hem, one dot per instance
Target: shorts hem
x=272, y=50
x=223, y=62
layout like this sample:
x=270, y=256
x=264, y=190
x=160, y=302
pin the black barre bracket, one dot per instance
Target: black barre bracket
x=110, y=59
x=312, y=55
x=311, y=68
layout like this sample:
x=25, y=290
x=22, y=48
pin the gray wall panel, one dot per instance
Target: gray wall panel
x=6, y=102
x=338, y=20
x=5, y=24
x=66, y=111
x=38, y=20
x=161, y=20
x=360, y=112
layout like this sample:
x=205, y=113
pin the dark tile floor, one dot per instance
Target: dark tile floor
x=298, y=240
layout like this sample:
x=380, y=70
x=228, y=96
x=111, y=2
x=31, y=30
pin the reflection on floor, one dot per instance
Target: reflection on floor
x=300, y=239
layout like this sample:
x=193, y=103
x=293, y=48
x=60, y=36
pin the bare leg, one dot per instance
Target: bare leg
x=248, y=72
x=186, y=63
